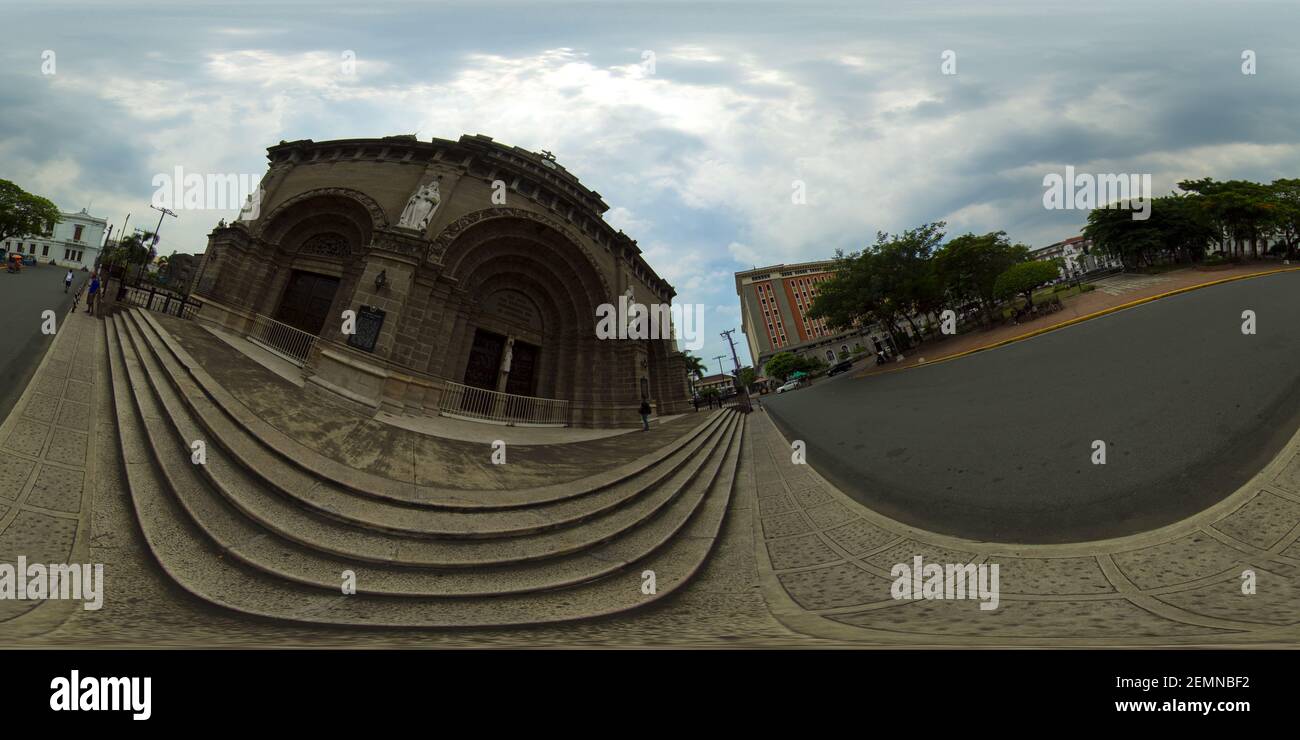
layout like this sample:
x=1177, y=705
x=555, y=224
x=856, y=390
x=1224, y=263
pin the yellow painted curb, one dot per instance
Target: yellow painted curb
x=1077, y=320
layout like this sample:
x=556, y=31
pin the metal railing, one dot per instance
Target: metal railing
x=293, y=344
x=160, y=301
x=460, y=400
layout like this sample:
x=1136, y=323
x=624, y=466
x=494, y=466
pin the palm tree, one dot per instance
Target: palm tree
x=694, y=369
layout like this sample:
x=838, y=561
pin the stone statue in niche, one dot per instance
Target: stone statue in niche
x=631, y=301
x=420, y=207
x=510, y=353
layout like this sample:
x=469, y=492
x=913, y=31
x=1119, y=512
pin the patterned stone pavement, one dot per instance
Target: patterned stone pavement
x=1125, y=283
x=826, y=561
x=47, y=470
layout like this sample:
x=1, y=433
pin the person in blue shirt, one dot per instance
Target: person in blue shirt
x=93, y=293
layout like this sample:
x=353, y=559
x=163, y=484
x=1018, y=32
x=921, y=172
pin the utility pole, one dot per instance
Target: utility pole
x=744, y=389
x=720, y=358
x=162, y=212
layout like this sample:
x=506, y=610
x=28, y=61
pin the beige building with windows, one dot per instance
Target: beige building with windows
x=774, y=306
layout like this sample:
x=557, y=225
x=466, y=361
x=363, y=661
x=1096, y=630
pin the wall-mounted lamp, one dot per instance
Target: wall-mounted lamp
x=381, y=280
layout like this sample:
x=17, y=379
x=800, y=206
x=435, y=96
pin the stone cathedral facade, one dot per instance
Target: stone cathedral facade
x=465, y=263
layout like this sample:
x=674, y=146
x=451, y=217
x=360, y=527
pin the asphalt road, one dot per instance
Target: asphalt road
x=998, y=445
x=23, y=296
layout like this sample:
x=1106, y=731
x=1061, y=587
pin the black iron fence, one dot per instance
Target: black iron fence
x=161, y=301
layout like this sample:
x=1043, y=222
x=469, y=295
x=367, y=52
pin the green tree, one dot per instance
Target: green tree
x=747, y=376
x=133, y=252
x=904, y=266
x=22, y=213
x=887, y=284
x=1180, y=224
x=969, y=266
x=694, y=365
x=1026, y=277
x=1238, y=209
x=782, y=366
x=1286, y=213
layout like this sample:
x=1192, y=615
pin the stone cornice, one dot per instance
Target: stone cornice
x=530, y=175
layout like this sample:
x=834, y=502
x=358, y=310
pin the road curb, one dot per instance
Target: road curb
x=1078, y=320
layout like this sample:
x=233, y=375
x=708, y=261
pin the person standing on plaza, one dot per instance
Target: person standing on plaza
x=93, y=293
x=645, y=415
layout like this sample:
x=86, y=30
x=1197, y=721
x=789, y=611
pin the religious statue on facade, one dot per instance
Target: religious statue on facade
x=419, y=209
x=630, y=303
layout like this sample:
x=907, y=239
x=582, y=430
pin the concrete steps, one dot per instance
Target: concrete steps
x=229, y=538
x=411, y=495
x=328, y=498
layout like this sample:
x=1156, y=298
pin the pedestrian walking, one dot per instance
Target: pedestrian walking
x=645, y=415
x=67, y=280
x=93, y=293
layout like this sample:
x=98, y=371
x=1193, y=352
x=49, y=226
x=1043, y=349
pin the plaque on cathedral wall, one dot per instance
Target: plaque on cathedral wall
x=515, y=308
x=369, y=322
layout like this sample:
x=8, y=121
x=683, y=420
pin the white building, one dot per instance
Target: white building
x=73, y=242
x=1077, y=256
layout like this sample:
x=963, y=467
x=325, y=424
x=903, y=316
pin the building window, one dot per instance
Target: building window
x=45, y=250
x=76, y=234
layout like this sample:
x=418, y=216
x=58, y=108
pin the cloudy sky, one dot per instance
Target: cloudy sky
x=692, y=119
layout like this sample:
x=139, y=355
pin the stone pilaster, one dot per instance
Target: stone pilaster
x=395, y=256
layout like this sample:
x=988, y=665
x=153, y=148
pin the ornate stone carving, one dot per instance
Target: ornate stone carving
x=327, y=244
x=420, y=207
x=405, y=245
x=377, y=216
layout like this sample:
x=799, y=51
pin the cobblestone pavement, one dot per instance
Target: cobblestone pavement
x=46, y=466
x=826, y=562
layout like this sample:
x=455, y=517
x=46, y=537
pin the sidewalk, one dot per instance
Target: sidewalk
x=1110, y=294
x=827, y=564
x=47, y=469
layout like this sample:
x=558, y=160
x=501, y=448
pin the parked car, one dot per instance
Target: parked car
x=789, y=386
x=840, y=367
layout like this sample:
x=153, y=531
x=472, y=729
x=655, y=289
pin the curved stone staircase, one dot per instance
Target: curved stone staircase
x=269, y=527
